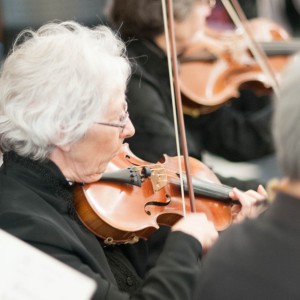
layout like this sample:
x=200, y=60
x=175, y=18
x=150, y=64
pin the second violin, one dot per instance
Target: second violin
x=211, y=76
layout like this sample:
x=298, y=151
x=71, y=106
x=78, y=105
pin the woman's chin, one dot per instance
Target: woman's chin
x=92, y=178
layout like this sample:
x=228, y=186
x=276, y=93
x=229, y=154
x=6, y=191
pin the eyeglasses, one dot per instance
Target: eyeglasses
x=118, y=125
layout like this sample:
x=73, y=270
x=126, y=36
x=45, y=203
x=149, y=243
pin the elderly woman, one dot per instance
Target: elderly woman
x=63, y=117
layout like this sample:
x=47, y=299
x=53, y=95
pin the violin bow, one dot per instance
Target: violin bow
x=238, y=17
x=176, y=97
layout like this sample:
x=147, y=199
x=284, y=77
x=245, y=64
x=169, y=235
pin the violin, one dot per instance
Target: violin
x=211, y=74
x=134, y=197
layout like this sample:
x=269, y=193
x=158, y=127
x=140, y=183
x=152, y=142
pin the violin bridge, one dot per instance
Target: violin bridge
x=158, y=177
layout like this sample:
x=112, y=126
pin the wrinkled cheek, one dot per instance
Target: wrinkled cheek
x=102, y=163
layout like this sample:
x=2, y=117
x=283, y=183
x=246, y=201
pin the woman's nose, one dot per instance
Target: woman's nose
x=128, y=130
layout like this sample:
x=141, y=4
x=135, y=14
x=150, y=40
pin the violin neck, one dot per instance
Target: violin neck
x=281, y=47
x=209, y=189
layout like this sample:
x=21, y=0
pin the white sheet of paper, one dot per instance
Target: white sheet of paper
x=26, y=273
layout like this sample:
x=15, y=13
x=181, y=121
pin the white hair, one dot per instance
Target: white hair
x=286, y=121
x=55, y=83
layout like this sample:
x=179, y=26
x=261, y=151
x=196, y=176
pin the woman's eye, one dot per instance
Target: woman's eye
x=124, y=117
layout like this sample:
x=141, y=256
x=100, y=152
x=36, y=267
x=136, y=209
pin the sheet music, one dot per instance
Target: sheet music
x=26, y=273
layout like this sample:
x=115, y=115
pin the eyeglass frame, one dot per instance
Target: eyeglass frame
x=116, y=125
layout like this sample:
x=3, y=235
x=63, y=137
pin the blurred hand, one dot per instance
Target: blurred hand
x=197, y=225
x=249, y=200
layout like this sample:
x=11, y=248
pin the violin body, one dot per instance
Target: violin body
x=208, y=81
x=121, y=212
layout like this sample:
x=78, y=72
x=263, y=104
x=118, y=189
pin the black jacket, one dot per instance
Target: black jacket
x=36, y=205
x=259, y=259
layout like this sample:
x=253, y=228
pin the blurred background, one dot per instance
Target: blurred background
x=16, y=15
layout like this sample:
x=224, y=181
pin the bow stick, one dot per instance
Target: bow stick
x=174, y=84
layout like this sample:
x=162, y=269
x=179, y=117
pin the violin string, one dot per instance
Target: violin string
x=204, y=185
x=160, y=167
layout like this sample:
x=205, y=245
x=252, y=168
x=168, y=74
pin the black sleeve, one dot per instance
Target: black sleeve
x=177, y=270
x=238, y=134
x=173, y=277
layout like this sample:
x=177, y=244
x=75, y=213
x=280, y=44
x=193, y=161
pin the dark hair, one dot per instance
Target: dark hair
x=142, y=18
